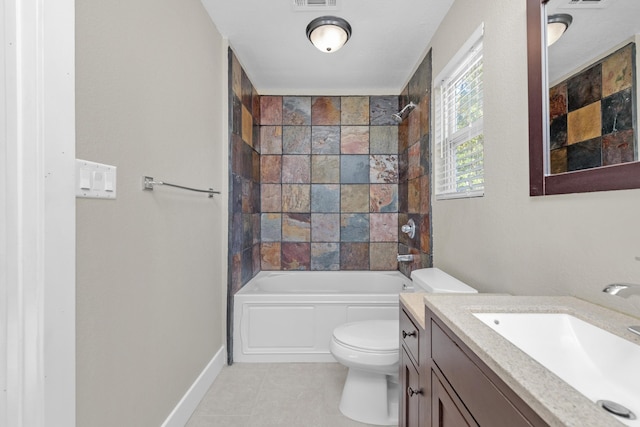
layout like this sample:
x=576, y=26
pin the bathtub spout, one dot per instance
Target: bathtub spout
x=405, y=258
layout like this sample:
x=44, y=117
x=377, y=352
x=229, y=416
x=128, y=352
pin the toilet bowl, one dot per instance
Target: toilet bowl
x=371, y=349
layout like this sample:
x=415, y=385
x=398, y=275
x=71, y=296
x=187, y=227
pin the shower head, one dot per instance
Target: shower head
x=402, y=114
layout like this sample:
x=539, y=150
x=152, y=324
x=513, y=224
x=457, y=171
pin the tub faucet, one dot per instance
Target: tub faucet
x=405, y=258
x=624, y=290
x=409, y=228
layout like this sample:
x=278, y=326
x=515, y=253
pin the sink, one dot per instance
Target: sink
x=600, y=365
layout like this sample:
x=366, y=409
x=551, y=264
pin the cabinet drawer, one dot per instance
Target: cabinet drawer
x=410, y=336
x=481, y=397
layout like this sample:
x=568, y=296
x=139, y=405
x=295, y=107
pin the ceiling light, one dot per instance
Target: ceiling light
x=556, y=26
x=328, y=33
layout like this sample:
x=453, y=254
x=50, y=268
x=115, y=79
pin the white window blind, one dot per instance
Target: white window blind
x=459, y=149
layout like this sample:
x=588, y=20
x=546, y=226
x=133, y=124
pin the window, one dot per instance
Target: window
x=459, y=137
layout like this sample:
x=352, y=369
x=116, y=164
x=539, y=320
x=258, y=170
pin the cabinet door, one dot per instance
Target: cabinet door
x=444, y=410
x=411, y=392
x=480, y=395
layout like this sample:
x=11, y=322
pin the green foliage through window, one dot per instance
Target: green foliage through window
x=459, y=154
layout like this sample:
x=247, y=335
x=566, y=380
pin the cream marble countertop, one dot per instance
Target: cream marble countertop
x=554, y=400
x=414, y=303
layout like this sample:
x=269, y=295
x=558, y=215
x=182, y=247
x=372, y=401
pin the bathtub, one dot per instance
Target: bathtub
x=290, y=316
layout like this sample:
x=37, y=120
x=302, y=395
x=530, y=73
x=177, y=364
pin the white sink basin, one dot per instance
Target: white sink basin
x=598, y=364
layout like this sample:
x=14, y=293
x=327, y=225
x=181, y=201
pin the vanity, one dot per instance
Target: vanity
x=457, y=371
x=414, y=398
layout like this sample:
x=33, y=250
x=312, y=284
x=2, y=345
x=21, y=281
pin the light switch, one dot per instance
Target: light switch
x=95, y=180
x=85, y=179
x=109, y=182
x=98, y=181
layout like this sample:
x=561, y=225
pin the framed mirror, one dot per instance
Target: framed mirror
x=564, y=156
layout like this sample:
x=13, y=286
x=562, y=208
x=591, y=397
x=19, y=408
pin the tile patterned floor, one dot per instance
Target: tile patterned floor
x=275, y=394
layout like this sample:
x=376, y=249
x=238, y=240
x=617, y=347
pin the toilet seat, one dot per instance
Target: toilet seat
x=376, y=336
x=372, y=345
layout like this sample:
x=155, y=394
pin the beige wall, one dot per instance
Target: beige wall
x=150, y=265
x=507, y=241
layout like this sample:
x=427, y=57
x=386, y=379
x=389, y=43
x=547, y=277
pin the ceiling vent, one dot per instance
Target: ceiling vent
x=586, y=4
x=312, y=5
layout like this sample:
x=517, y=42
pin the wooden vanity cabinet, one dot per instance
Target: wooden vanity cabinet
x=413, y=390
x=446, y=409
x=464, y=391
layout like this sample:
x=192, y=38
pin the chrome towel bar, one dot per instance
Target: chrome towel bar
x=149, y=183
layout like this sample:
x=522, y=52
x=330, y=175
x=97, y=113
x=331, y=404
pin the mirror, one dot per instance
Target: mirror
x=598, y=29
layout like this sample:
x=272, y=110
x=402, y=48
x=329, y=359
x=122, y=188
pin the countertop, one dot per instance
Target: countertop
x=414, y=303
x=554, y=400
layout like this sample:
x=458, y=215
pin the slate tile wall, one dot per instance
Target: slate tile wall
x=329, y=183
x=592, y=115
x=414, y=184
x=325, y=182
x=244, y=177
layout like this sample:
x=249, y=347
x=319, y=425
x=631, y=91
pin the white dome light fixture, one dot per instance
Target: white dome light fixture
x=556, y=26
x=328, y=33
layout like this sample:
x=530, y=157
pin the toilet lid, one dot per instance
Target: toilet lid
x=375, y=335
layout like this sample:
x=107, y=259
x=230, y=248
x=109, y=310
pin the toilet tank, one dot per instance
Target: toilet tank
x=434, y=280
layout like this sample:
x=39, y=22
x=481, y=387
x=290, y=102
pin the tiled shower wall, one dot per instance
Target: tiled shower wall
x=325, y=182
x=329, y=182
x=244, y=179
x=414, y=140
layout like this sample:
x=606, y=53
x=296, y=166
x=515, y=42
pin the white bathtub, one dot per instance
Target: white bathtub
x=290, y=316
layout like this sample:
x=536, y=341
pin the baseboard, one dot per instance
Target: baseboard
x=319, y=357
x=183, y=410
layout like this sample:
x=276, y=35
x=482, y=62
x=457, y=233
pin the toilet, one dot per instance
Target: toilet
x=371, y=351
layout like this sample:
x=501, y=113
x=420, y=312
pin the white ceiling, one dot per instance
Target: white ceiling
x=389, y=39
